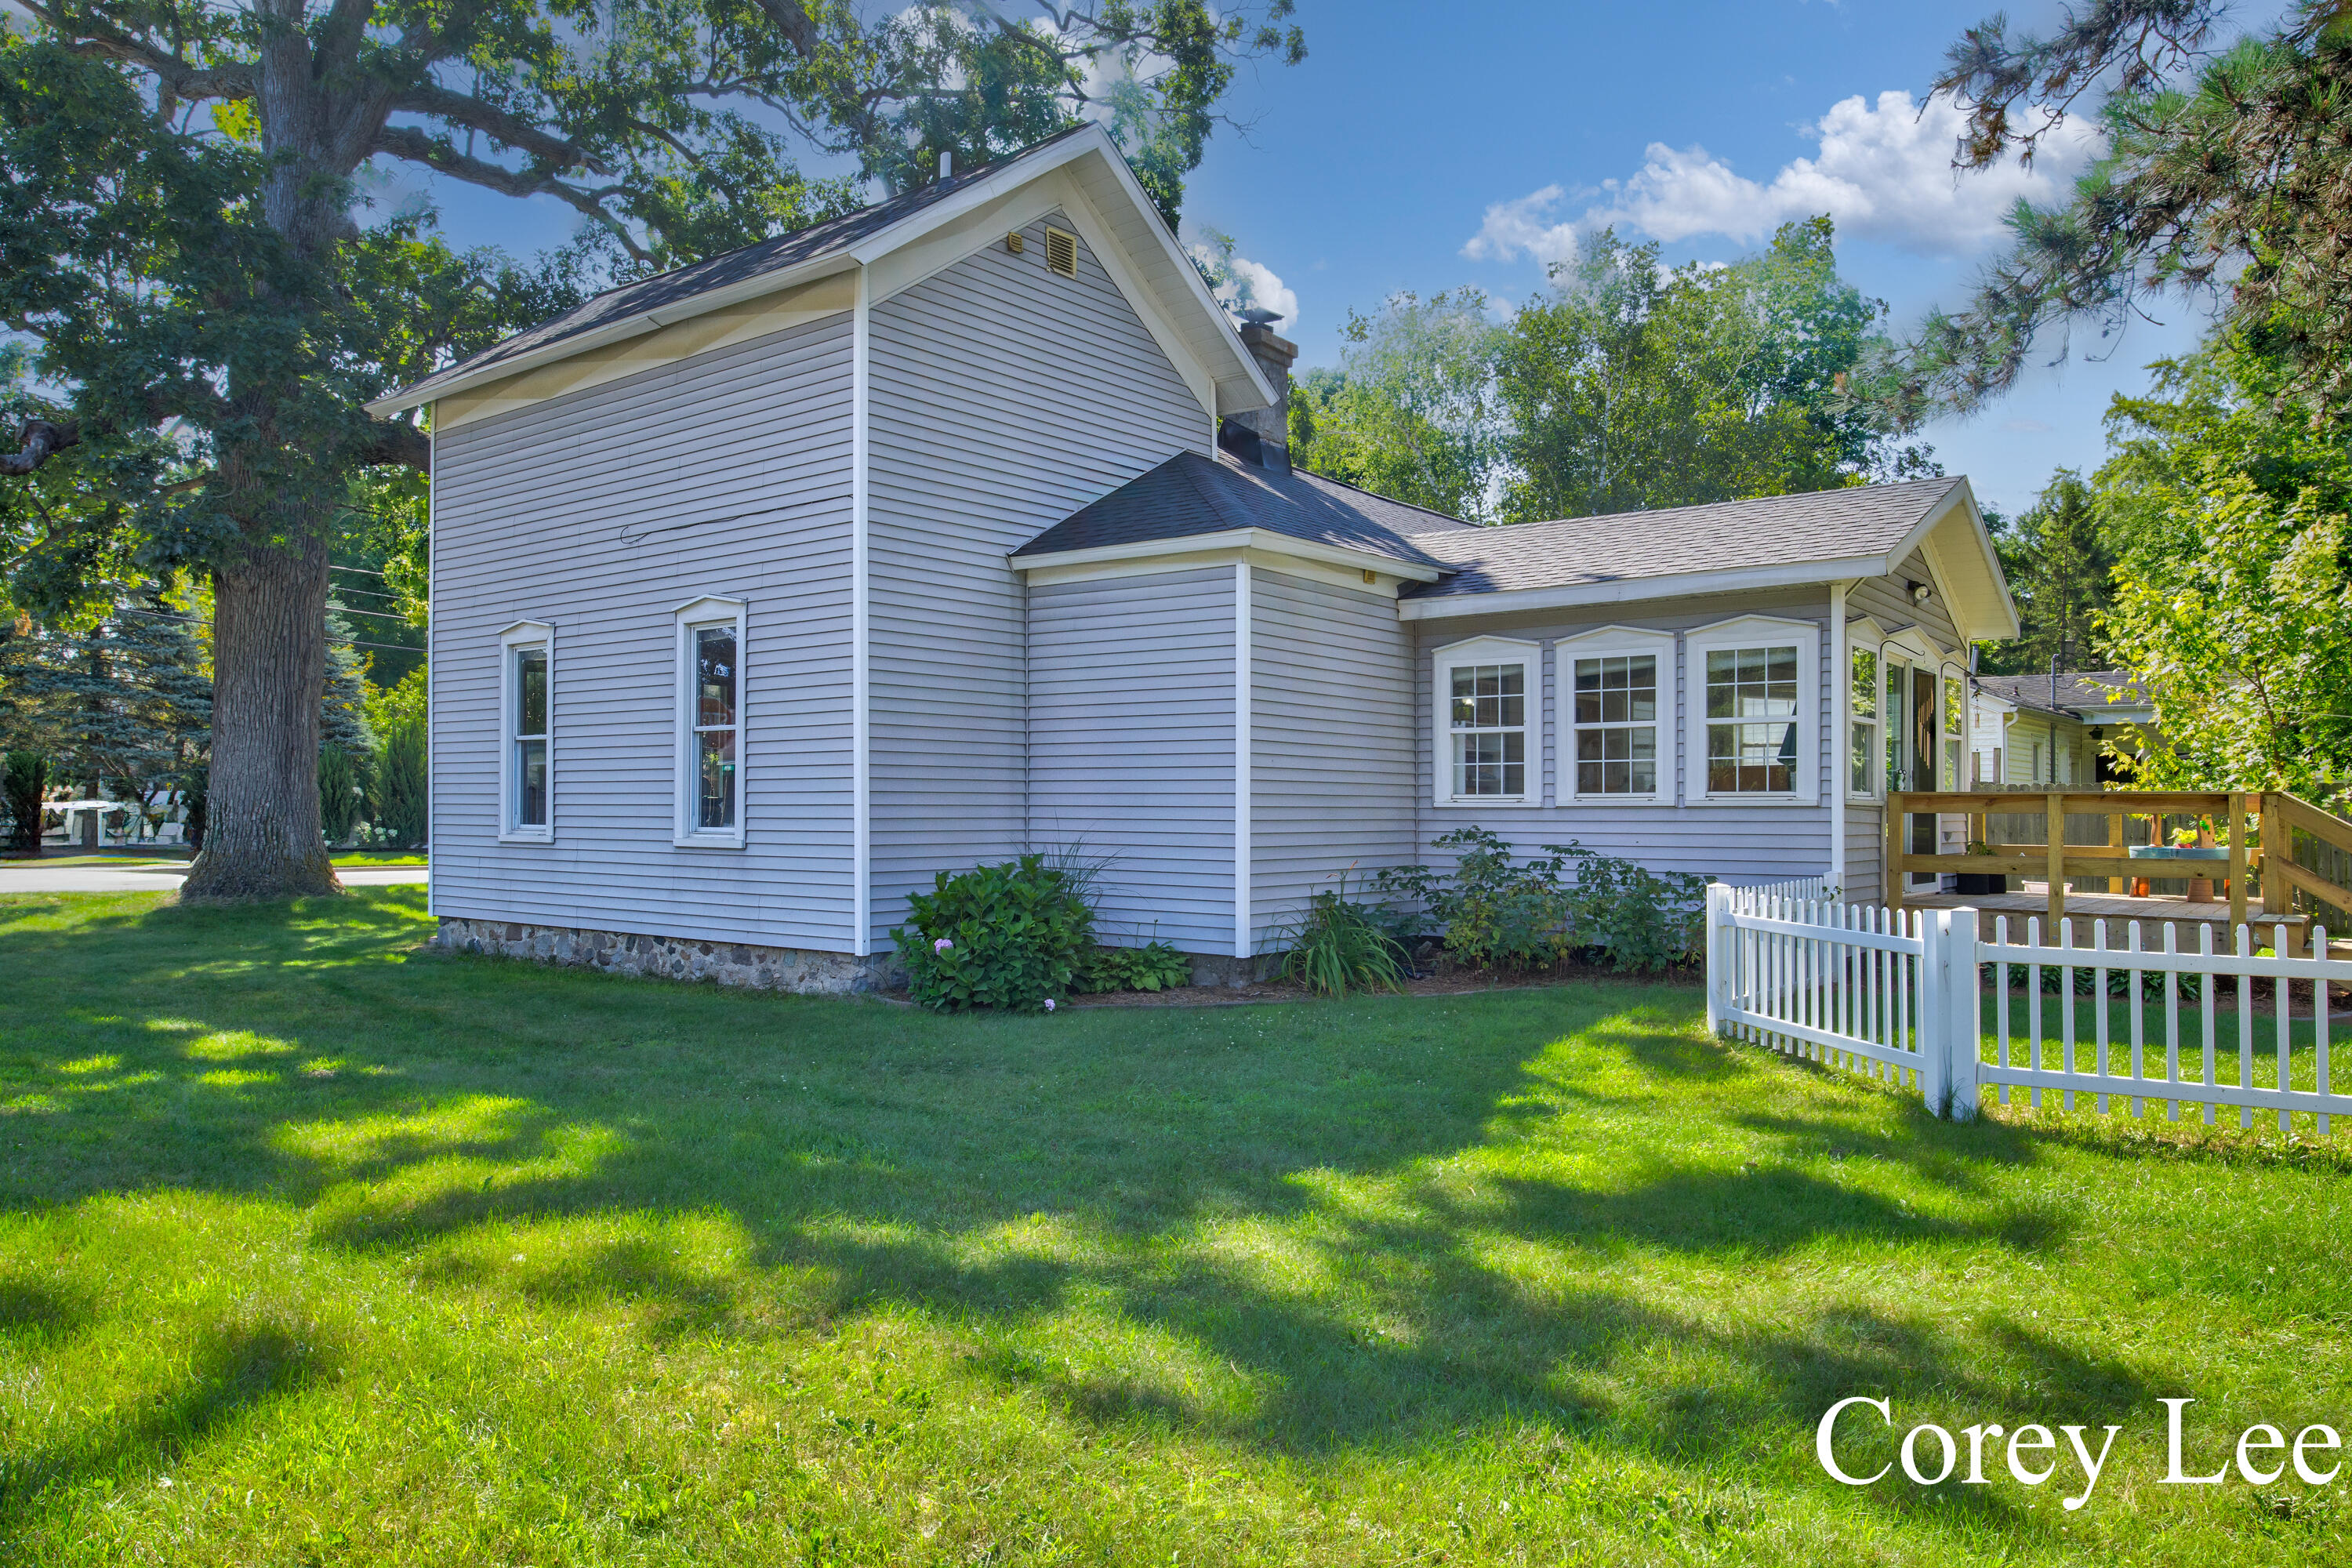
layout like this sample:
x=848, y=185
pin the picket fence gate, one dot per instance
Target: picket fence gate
x=1904, y=994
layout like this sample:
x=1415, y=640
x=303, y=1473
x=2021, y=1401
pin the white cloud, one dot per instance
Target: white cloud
x=1883, y=171
x=1238, y=282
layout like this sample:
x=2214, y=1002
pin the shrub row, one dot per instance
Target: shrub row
x=1015, y=937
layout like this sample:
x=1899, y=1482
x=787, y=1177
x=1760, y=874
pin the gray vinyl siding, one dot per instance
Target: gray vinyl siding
x=1865, y=854
x=592, y=512
x=1887, y=601
x=1738, y=843
x=1331, y=741
x=1131, y=734
x=1004, y=397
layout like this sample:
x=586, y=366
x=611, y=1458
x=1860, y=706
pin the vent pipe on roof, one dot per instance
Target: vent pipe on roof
x=947, y=163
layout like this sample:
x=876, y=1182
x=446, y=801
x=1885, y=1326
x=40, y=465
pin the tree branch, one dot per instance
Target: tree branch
x=459, y=108
x=398, y=444
x=179, y=78
x=37, y=442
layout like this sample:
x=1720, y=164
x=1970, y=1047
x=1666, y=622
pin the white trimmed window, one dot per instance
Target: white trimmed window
x=710, y=696
x=1862, y=701
x=1756, y=706
x=527, y=733
x=1617, y=699
x=1955, y=725
x=1487, y=717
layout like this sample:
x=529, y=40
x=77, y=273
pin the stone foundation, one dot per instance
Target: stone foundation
x=802, y=970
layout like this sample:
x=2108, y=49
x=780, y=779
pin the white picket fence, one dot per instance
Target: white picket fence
x=1904, y=996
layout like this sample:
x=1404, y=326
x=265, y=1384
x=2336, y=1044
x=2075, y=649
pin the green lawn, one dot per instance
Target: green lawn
x=133, y=858
x=313, y=1250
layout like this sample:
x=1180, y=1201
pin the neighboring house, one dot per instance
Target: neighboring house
x=2029, y=731
x=765, y=589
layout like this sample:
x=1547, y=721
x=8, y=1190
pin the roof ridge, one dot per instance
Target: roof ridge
x=1946, y=480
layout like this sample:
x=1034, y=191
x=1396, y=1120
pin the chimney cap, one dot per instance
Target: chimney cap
x=1259, y=316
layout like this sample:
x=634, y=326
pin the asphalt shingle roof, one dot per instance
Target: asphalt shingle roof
x=2080, y=692
x=1820, y=525
x=1190, y=494
x=786, y=250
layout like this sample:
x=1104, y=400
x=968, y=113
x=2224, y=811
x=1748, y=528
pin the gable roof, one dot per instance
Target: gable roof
x=1191, y=496
x=2081, y=694
x=855, y=238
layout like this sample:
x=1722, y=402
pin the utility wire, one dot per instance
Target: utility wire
x=348, y=642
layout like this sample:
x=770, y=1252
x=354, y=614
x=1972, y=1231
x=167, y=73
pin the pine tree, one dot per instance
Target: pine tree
x=2062, y=571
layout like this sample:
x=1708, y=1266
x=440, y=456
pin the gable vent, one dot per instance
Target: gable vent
x=1062, y=252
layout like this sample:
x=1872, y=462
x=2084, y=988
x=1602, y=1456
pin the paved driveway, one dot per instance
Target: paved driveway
x=32, y=877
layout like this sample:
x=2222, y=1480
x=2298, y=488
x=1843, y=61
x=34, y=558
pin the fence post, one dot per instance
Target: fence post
x=1721, y=944
x=1933, y=1022
x=1964, y=1014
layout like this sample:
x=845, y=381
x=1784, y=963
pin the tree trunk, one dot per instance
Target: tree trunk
x=270, y=666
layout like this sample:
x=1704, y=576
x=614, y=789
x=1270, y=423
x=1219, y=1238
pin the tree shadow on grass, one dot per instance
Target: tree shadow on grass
x=232, y=1374
x=877, y=1159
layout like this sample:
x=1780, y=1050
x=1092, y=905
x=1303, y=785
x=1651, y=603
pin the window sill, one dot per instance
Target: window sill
x=707, y=841
x=1566, y=800
x=1487, y=802
x=1781, y=800
x=528, y=836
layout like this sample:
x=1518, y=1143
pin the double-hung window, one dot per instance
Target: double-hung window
x=1756, y=709
x=1615, y=683
x=1862, y=704
x=527, y=738
x=1488, y=700
x=710, y=708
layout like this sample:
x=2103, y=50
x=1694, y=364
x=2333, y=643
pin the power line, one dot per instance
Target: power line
x=374, y=615
x=346, y=642
x=369, y=570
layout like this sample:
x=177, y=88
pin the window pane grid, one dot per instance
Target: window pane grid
x=1488, y=713
x=1746, y=754
x=527, y=737
x=714, y=727
x=1616, y=714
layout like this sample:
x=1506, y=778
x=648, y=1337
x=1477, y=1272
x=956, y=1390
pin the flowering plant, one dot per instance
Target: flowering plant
x=1008, y=937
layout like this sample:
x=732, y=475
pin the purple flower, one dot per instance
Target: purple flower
x=1049, y=1004
x=941, y=945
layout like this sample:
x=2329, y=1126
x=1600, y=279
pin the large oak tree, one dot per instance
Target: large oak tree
x=183, y=237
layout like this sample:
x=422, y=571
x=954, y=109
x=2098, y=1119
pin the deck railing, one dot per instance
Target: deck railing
x=2291, y=845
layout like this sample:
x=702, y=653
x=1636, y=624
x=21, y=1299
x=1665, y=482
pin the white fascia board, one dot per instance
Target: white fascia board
x=1961, y=501
x=1630, y=590
x=1258, y=538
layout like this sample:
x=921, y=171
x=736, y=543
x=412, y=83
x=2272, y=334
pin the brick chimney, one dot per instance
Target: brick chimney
x=1275, y=355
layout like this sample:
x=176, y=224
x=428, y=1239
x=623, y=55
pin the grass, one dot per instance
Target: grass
x=314, y=1248
x=135, y=858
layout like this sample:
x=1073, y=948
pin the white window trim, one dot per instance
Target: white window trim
x=1607, y=642
x=523, y=635
x=712, y=611
x=1752, y=631
x=1864, y=636
x=1483, y=651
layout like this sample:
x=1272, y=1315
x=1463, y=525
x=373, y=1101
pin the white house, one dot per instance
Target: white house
x=766, y=588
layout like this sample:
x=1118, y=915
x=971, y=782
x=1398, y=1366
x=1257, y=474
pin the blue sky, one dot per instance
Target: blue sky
x=1423, y=147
